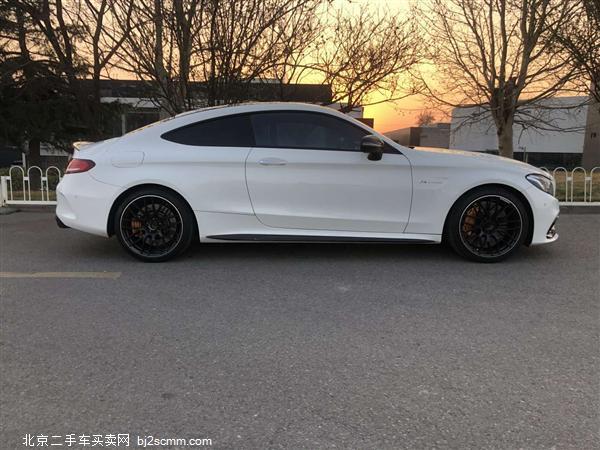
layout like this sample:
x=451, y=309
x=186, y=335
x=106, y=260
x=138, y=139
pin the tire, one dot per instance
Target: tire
x=154, y=224
x=487, y=224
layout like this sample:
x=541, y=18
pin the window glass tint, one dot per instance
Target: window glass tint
x=232, y=131
x=305, y=130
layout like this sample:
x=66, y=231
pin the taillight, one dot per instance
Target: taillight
x=79, y=165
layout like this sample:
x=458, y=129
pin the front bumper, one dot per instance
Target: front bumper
x=552, y=233
x=545, y=210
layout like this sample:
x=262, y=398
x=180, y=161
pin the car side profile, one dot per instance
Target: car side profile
x=283, y=172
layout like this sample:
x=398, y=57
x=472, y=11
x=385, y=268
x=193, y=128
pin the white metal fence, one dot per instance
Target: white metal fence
x=15, y=188
x=577, y=186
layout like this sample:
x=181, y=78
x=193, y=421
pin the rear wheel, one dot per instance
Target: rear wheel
x=154, y=224
x=487, y=224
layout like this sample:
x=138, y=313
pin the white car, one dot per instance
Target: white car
x=274, y=172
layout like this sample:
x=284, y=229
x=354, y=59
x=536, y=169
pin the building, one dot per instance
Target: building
x=591, y=142
x=143, y=109
x=10, y=155
x=568, y=126
x=435, y=135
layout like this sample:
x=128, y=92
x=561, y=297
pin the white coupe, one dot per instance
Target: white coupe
x=282, y=172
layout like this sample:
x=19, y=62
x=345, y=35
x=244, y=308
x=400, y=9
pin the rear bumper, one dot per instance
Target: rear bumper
x=84, y=203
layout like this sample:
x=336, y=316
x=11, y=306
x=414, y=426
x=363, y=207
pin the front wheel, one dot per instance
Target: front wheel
x=487, y=225
x=154, y=224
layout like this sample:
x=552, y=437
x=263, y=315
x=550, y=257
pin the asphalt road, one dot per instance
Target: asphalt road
x=301, y=346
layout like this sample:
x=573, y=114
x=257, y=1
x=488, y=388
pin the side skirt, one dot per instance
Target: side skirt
x=308, y=238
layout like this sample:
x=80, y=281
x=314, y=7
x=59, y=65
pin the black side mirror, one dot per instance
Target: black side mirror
x=372, y=145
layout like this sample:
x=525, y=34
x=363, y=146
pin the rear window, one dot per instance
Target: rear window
x=230, y=131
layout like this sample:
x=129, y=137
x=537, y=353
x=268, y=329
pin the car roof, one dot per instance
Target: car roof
x=260, y=106
x=201, y=114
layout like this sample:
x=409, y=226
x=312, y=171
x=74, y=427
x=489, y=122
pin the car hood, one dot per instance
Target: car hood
x=477, y=159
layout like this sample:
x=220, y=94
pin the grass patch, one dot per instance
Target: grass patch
x=36, y=195
x=563, y=188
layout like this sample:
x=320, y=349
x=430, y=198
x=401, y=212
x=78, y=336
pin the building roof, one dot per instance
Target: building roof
x=549, y=102
x=259, y=91
x=438, y=125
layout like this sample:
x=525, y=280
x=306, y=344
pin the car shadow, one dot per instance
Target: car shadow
x=319, y=251
x=97, y=248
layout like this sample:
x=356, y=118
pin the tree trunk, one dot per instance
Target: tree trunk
x=159, y=67
x=96, y=131
x=211, y=93
x=505, y=140
x=34, y=159
x=185, y=48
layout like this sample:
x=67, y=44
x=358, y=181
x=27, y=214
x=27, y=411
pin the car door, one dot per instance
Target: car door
x=307, y=171
x=205, y=161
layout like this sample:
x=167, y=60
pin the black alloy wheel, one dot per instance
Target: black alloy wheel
x=490, y=226
x=154, y=225
x=487, y=225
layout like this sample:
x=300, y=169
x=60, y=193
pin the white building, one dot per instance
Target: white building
x=561, y=143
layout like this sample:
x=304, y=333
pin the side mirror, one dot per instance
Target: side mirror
x=373, y=146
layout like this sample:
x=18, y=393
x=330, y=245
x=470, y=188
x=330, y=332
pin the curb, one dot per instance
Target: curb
x=580, y=209
x=27, y=208
x=6, y=210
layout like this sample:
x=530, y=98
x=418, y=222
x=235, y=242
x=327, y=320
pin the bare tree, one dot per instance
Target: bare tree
x=221, y=49
x=52, y=21
x=499, y=55
x=160, y=47
x=79, y=35
x=13, y=46
x=293, y=39
x=366, y=53
x=245, y=43
x=50, y=38
x=425, y=118
x=214, y=48
x=101, y=35
x=51, y=47
x=580, y=36
x=204, y=52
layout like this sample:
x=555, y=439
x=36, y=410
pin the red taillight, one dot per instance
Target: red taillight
x=79, y=165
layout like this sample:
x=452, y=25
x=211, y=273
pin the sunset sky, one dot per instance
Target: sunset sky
x=390, y=115
x=393, y=115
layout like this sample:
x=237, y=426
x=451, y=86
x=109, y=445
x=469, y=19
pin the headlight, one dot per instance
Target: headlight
x=541, y=182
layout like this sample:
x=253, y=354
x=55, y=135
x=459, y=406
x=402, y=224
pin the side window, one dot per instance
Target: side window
x=305, y=130
x=231, y=131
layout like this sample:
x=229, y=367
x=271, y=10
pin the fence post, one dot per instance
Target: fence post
x=592, y=181
x=3, y=191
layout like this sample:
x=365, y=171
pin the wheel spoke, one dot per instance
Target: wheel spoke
x=491, y=226
x=151, y=226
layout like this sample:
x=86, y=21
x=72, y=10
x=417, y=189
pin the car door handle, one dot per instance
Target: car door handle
x=272, y=162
